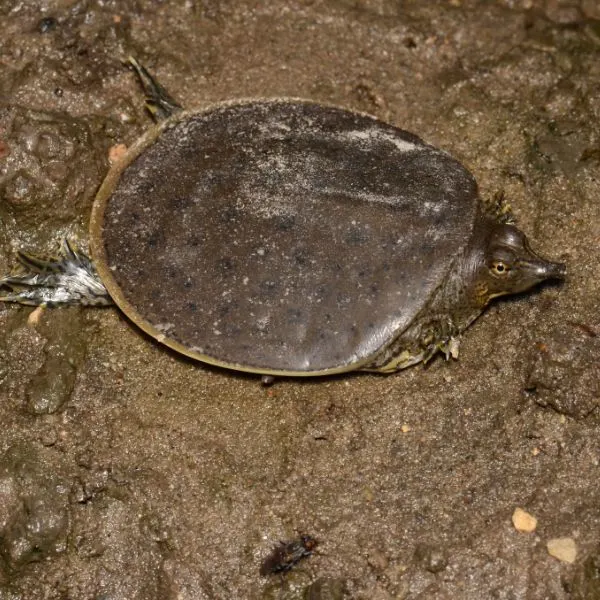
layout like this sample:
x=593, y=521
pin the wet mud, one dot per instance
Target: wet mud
x=129, y=473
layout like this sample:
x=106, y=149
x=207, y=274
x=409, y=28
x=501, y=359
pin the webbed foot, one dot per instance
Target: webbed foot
x=69, y=278
x=448, y=347
x=159, y=102
x=441, y=336
x=499, y=208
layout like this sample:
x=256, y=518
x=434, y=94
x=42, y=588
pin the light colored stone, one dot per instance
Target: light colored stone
x=35, y=316
x=524, y=521
x=378, y=560
x=116, y=152
x=591, y=8
x=563, y=549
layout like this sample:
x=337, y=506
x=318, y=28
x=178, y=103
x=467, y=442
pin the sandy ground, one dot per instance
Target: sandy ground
x=128, y=473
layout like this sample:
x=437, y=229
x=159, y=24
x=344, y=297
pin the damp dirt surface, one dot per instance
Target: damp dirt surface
x=129, y=473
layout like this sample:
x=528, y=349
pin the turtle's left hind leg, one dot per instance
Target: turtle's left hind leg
x=67, y=279
x=159, y=102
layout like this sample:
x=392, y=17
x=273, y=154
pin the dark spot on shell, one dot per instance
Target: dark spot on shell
x=230, y=214
x=294, y=316
x=301, y=257
x=225, y=309
x=357, y=236
x=153, y=240
x=320, y=293
x=226, y=265
x=285, y=223
x=268, y=286
x=181, y=202
x=401, y=278
x=342, y=299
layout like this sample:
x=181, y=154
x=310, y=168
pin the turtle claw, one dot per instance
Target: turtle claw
x=499, y=209
x=69, y=278
x=159, y=102
x=449, y=348
x=442, y=336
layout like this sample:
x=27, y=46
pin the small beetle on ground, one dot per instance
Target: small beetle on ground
x=287, y=554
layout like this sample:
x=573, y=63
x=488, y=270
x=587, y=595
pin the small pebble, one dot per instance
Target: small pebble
x=523, y=521
x=4, y=149
x=267, y=380
x=368, y=494
x=35, y=316
x=564, y=549
x=431, y=557
x=562, y=12
x=405, y=428
x=377, y=560
x=591, y=8
x=49, y=437
x=116, y=152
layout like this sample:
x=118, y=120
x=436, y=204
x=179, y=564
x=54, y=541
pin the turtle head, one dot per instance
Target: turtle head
x=506, y=264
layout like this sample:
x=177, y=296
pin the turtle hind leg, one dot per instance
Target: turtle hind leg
x=159, y=102
x=67, y=279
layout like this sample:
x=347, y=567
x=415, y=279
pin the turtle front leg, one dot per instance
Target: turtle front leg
x=67, y=279
x=443, y=336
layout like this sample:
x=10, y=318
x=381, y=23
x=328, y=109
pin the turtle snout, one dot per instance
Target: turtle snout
x=541, y=269
x=533, y=270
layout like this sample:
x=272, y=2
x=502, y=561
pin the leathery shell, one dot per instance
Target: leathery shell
x=279, y=236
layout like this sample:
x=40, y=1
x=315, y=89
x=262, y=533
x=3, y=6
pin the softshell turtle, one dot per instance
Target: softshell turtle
x=285, y=237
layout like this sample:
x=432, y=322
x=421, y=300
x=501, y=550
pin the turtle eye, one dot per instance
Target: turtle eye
x=500, y=268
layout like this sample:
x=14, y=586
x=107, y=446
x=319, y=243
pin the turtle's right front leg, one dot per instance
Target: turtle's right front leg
x=67, y=279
